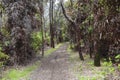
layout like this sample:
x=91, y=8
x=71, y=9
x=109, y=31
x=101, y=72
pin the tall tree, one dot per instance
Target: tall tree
x=20, y=18
x=41, y=12
x=52, y=43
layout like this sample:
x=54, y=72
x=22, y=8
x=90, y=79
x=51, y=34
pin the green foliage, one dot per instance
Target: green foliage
x=90, y=29
x=47, y=39
x=109, y=68
x=117, y=58
x=89, y=78
x=3, y=57
x=107, y=63
x=5, y=32
x=1, y=6
x=36, y=40
x=119, y=66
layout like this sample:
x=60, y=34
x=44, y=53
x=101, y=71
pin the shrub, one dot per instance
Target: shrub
x=118, y=58
x=3, y=57
x=36, y=40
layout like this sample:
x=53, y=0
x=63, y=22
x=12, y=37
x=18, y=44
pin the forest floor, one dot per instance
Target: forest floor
x=64, y=64
x=85, y=70
x=55, y=67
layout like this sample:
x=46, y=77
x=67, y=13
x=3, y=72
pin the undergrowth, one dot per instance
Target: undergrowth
x=85, y=70
x=17, y=74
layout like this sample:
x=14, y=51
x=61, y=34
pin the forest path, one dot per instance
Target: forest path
x=55, y=67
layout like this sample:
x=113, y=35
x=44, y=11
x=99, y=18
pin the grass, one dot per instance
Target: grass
x=85, y=70
x=50, y=51
x=17, y=74
x=89, y=72
x=73, y=56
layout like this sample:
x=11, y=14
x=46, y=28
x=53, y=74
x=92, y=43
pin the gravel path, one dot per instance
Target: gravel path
x=55, y=67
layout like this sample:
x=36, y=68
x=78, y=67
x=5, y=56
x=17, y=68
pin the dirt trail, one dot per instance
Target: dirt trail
x=55, y=67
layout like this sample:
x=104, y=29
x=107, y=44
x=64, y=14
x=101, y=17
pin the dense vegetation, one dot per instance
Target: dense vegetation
x=92, y=28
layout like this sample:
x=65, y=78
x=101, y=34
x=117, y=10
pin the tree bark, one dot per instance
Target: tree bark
x=52, y=44
x=97, y=55
x=42, y=30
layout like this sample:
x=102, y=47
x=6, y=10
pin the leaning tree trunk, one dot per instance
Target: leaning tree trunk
x=76, y=30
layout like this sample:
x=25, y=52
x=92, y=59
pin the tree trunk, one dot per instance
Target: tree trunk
x=42, y=41
x=91, y=47
x=97, y=59
x=51, y=25
x=97, y=55
x=20, y=28
x=76, y=31
x=80, y=54
x=79, y=44
x=42, y=25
